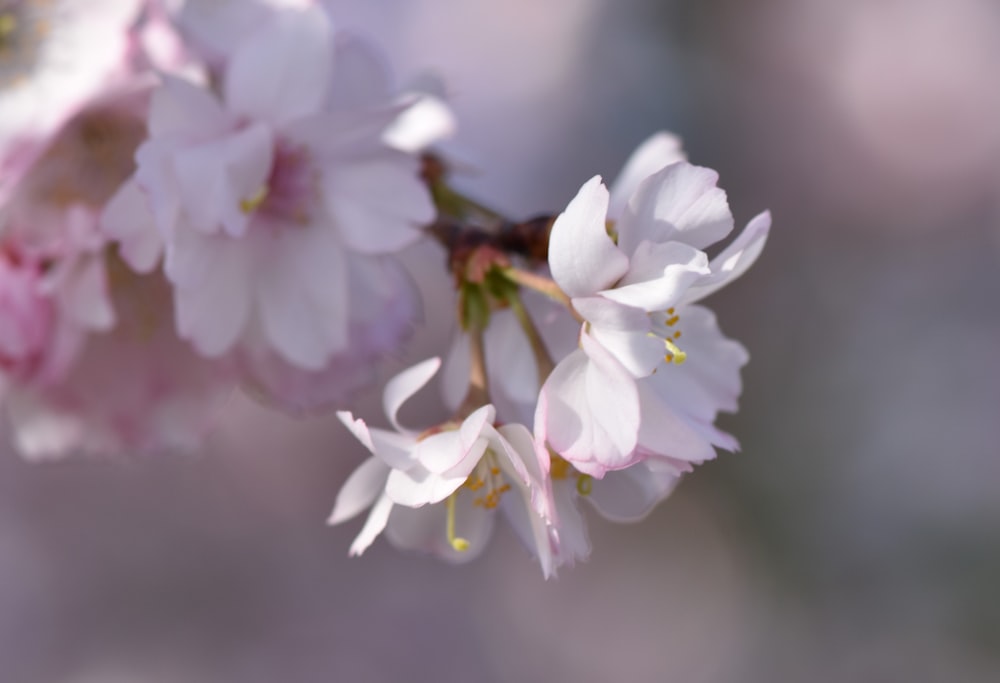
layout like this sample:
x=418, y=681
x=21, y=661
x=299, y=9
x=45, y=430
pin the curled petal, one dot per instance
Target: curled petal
x=734, y=260
x=360, y=490
x=404, y=385
x=582, y=255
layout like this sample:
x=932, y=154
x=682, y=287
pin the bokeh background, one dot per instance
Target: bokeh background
x=855, y=538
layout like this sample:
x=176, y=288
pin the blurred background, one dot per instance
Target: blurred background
x=855, y=538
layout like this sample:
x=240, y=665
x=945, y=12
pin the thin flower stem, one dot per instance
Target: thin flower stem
x=543, y=360
x=542, y=284
x=478, y=394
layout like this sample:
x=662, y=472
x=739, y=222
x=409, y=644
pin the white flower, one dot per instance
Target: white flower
x=599, y=409
x=437, y=491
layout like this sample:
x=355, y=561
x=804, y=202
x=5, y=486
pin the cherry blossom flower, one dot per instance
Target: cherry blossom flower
x=437, y=491
x=599, y=408
x=275, y=205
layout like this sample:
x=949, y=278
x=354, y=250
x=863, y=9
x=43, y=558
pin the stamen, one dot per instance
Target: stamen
x=253, y=203
x=560, y=468
x=675, y=355
x=673, y=320
x=584, y=484
x=457, y=542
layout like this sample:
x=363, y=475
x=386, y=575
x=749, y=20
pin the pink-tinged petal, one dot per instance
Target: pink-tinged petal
x=639, y=352
x=360, y=490
x=84, y=298
x=582, y=256
x=529, y=463
x=127, y=219
x=181, y=108
x=379, y=205
x=734, y=260
x=302, y=299
x=455, y=450
x=678, y=203
x=659, y=275
x=588, y=410
x=358, y=428
x=400, y=388
x=417, y=486
x=659, y=151
x=280, y=73
x=212, y=278
x=571, y=538
x=374, y=525
x=663, y=433
x=629, y=495
x=530, y=527
x=216, y=179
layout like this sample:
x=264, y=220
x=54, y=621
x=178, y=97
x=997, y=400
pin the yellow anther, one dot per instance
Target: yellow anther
x=677, y=334
x=560, y=468
x=675, y=355
x=584, y=484
x=457, y=542
x=670, y=311
x=253, y=203
x=673, y=320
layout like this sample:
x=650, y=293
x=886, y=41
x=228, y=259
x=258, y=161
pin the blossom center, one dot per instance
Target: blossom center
x=487, y=477
x=670, y=334
x=561, y=470
x=291, y=192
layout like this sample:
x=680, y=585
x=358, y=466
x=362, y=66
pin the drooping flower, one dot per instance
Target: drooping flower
x=602, y=408
x=276, y=205
x=437, y=491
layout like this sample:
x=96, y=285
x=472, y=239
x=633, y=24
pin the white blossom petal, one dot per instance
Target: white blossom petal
x=678, y=203
x=582, y=256
x=280, y=73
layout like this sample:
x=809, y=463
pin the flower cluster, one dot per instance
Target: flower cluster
x=203, y=196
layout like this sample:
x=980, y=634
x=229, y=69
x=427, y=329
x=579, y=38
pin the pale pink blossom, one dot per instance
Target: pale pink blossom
x=599, y=408
x=437, y=490
x=275, y=204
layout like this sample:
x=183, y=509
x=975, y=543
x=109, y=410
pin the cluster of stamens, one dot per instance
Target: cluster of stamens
x=560, y=469
x=674, y=354
x=487, y=475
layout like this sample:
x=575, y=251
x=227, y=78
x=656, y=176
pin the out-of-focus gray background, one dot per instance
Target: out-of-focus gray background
x=855, y=538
